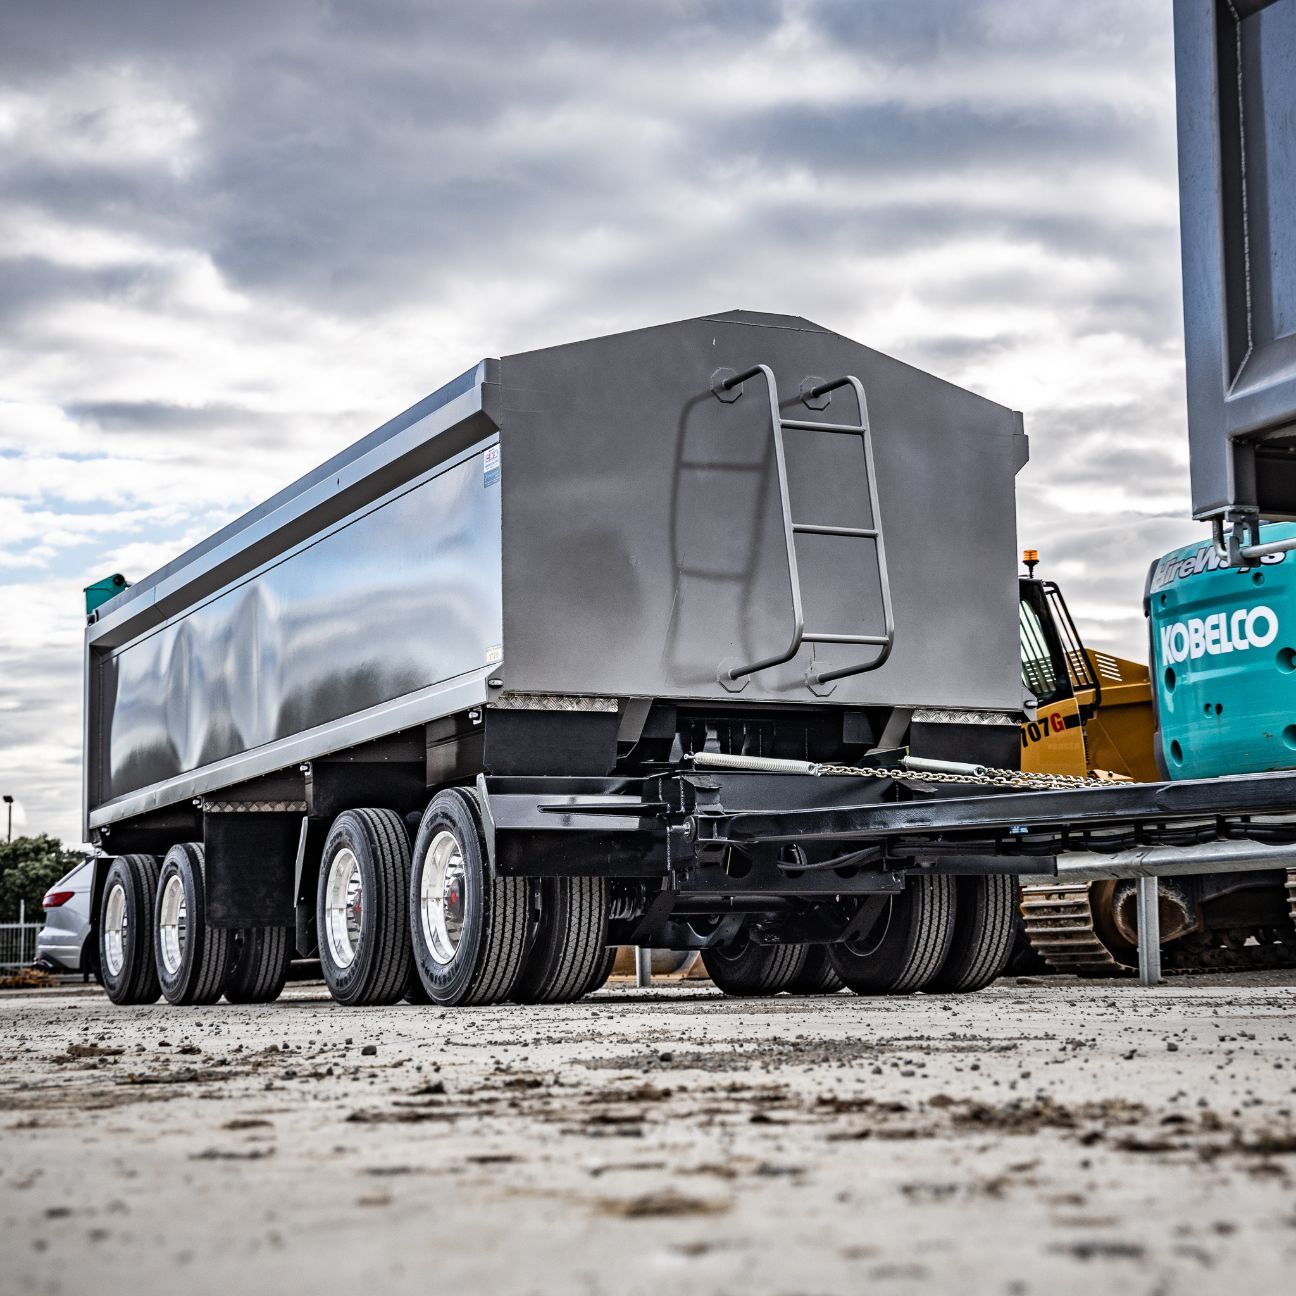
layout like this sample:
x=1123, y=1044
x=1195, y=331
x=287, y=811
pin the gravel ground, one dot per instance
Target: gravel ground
x=1044, y=1136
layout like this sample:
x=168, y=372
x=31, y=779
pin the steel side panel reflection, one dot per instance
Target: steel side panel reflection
x=404, y=596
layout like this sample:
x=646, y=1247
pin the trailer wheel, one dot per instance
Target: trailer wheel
x=125, y=935
x=605, y=969
x=569, y=945
x=191, y=956
x=744, y=969
x=468, y=926
x=817, y=975
x=259, y=959
x=360, y=907
x=907, y=946
x=985, y=910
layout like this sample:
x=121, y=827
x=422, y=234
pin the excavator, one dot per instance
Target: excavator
x=1104, y=716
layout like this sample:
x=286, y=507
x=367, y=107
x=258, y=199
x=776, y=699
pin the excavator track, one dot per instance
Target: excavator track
x=1062, y=927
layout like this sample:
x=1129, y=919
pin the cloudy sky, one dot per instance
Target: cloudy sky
x=236, y=236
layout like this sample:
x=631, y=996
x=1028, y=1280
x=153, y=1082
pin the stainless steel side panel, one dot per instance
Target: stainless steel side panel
x=387, y=604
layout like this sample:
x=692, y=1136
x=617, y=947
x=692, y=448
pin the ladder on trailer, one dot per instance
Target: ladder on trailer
x=728, y=386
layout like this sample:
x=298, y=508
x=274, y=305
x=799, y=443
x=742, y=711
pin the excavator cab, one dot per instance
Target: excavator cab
x=1058, y=673
x=1093, y=710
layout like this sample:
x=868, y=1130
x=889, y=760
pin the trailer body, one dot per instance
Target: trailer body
x=557, y=540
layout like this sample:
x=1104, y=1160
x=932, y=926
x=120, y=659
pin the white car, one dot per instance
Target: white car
x=61, y=944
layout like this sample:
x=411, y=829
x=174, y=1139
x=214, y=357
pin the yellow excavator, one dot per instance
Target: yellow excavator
x=1094, y=716
x=1093, y=710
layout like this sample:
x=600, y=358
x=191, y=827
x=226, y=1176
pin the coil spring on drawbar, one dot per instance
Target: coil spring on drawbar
x=627, y=903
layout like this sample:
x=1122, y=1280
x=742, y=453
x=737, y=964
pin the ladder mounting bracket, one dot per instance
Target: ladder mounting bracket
x=726, y=394
x=822, y=400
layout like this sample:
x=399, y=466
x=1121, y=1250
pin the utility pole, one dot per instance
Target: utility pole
x=9, y=808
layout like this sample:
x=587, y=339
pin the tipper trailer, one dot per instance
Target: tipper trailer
x=507, y=622
x=653, y=639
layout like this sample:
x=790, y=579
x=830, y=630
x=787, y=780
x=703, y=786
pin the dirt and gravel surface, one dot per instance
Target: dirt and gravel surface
x=1045, y=1136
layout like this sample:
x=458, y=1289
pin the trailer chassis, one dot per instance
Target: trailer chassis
x=810, y=858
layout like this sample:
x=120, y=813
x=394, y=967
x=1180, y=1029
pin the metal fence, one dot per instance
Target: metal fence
x=18, y=942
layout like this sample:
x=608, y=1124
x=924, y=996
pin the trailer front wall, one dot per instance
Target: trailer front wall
x=403, y=595
x=643, y=537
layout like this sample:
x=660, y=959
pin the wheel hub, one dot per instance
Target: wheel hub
x=443, y=897
x=116, y=930
x=343, y=907
x=172, y=924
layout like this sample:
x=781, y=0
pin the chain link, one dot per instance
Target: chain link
x=987, y=777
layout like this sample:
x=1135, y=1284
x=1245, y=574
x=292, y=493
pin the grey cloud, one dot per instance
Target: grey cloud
x=162, y=417
x=352, y=153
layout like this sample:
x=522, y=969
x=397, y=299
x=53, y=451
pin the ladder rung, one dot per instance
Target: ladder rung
x=876, y=640
x=813, y=528
x=805, y=425
x=718, y=465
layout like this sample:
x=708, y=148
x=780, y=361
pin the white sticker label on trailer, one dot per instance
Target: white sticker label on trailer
x=490, y=466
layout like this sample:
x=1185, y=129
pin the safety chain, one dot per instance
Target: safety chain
x=987, y=776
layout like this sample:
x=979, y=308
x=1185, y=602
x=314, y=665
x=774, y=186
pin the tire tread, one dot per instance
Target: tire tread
x=384, y=966
x=764, y=969
x=141, y=981
x=909, y=956
x=206, y=956
x=506, y=923
x=985, y=929
x=816, y=976
x=268, y=949
x=574, y=934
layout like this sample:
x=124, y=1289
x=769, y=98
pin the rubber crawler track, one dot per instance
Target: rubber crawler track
x=1060, y=926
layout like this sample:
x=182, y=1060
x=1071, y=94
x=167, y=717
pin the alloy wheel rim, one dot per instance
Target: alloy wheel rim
x=344, y=907
x=116, y=929
x=173, y=923
x=443, y=897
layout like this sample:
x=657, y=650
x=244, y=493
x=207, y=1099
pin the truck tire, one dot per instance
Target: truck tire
x=192, y=957
x=985, y=910
x=743, y=969
x=907, y=947
x=360, y=907
x=125, y=930
x=817, y=975
x=605, y=969
x=259, y=960
x=569, y=945
x=468, y=926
